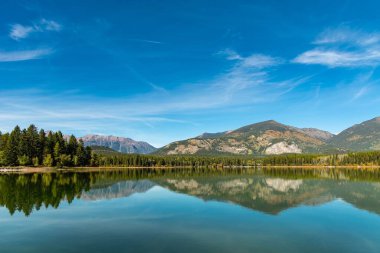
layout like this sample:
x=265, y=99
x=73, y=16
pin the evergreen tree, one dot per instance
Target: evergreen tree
x=30, y=147
x=41, y=145
x=81, y=154
x=11, y=150
x=72, y=146
x=33, y=141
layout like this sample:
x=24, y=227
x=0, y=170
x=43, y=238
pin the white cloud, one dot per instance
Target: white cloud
x=254, y=60
x=243, y=84
x=146, y=41
x=23, y=55
x=18, y=31
x=345, y=35
x=361, y=92
x=230, y=54
x=48, y=25
x=343, y=47
x=260, y=61
x=336, y=58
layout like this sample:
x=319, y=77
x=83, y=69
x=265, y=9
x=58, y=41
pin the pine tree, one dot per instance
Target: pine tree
x=33, y=141
x=41, y=145
x=11, y=150
x=81, y=154
x=72, y=146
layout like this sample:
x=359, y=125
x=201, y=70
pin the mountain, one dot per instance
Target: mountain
x=268, y=137
x=317, y=133
x=360, y=137
x=103, y=150
x=120, y=144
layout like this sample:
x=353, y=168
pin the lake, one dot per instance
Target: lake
x=182, y=210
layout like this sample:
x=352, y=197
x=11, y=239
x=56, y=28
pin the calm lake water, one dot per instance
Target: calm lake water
x=183, y=211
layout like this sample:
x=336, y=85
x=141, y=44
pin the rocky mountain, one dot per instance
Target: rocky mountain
x=268, y=137
x=317, y=133
x=120, y=144
x=363, y=136
x=103, y=150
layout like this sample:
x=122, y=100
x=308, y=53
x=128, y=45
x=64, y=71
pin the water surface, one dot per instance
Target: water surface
x=135, y=211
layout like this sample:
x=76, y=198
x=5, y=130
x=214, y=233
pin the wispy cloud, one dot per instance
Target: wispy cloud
x=361, y=85
x=247, y=82
x=48, y=25
x=254, y=60
x=346, y=35
x=24, y=55
x=343, y=47
x=361, y=92
x=146, y=41
x=19, y=31
x=337, y=58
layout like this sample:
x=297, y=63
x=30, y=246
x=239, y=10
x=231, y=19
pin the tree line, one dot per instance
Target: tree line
x=30, y=147
x=371, y=158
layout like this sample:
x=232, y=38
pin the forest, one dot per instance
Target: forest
x=30, y=147
x=371, y=158
x=33, y=147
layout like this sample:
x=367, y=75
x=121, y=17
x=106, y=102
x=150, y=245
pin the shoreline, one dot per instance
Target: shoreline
x=25, y=169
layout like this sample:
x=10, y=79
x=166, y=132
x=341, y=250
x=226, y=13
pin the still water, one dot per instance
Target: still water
x=190, y=211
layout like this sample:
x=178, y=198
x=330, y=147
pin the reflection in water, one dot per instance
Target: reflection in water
x=269, y=191
x=273, y=195
x=118, y=190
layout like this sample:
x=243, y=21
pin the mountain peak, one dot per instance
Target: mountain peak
x=266, y=137
x=360, y=137
x=120, y=144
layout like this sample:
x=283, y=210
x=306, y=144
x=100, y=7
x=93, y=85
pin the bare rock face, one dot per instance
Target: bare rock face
x=268, y=137
x=120, y=144
x=282, y=148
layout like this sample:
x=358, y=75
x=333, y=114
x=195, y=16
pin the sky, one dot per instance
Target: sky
x=161, y=71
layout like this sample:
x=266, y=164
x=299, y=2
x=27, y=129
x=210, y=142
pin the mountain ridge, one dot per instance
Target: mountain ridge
x=267, y=137
x=359, y=137
x=119, y=144
x=271, y=137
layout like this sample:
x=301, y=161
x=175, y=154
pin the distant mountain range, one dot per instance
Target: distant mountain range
x=119, y=144
x=271, y=137
x=263, y=138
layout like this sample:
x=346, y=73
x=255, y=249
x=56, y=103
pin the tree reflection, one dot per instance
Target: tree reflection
x=267, y=190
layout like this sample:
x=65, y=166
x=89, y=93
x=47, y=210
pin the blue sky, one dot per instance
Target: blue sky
x=160, y=71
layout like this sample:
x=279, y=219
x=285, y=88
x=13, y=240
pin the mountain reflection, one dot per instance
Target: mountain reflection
x=269, y=191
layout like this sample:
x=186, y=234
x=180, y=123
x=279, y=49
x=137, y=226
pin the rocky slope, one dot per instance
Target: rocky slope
x=363, y=136
x=120, y=144
x=268, y=137
x=317, y=133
